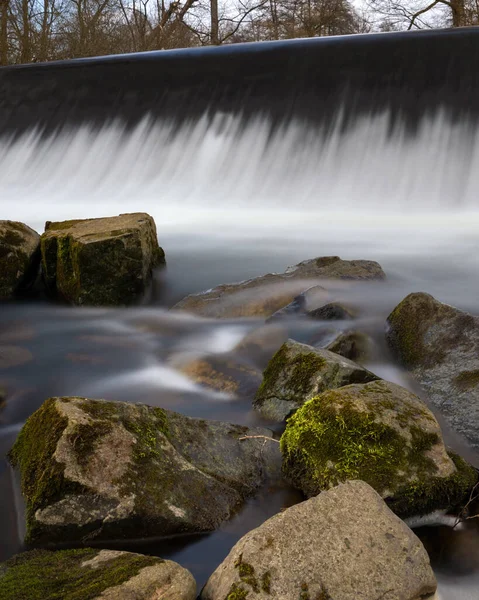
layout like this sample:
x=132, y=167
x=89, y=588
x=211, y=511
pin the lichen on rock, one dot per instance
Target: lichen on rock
x=107, y=261
x=382, y=434
x=19, y=258
x=298, y=372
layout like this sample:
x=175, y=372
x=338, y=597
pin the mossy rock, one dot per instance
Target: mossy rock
x=354, y=345
x=88, y=574
x=382, y=434
x=344, y=544
x=297, y=373
x=98, y=262
x=107, y=470
x=439, y=344
x=19, y=258
x=224, y=373
x=265, y=295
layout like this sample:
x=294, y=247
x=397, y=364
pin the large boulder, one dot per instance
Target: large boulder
x=113, y=469
x=382, y=434
x=106, y=261
x=88, y=574
x=263, y=296
x=439, y=344
x=297, y=373
x=355, y=345
x=19, y=258
x=344, y=544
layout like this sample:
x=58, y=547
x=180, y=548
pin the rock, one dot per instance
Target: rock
x=105, y=261
x=88, y=574
x=19, y=258
x=259, y=345
x=382, y=434
x=297, y=373
x=311, y=298
x=263, y=296
x=14, y=356
x=334, y=311
x=355, y=345
x=224, y=373
x=344, y=544
x=113, y=469
x=439, y=344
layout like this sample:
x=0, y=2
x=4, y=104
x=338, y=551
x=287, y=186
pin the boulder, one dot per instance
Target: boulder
x=87, y=574
x=297, y=373
x=355, y=345
x=439, y=344
x=382, y=434
x=106, y=261
x=19, y=258
x=110, y=470
x=265, y=295
x=224, y=373
x=344, y=544
x=259, y=345
x=333, y=311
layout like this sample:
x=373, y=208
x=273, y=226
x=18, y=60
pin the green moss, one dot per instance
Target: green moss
x=266, y=582
x=247, y=574
x=236, y=593
x=467, y=380
x=61, y=225
x=11, y=238
x=40, y=575
x=329, y=441
x=85, y=438
x=42, y=477
x=303, y=367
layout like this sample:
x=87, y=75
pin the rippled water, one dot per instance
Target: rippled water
x=232, y=203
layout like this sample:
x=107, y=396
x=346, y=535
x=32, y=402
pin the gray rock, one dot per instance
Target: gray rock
x=265, y=295
x=95, y=574
x=297, y=373
x=334, y=311
x=98, y=262
x=382, y=434
x=103, y=470
x=355, y=345
x=344, y=544
x=439, y=344
x=19, y=258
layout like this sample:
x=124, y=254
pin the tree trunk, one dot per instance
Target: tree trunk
x=25, y=54
x=215, y=34
x=4, y=32
x=457, y=7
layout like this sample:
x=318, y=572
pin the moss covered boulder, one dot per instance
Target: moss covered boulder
x=110, y=470
x=344, y=544
x=19, y=258
x=88, y=574
x=439, y=344
x=97, y=262
x=355, y=345
x=298, y=372
x=263, y=296
x=382, y=434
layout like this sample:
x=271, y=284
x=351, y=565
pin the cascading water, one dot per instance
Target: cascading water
x=381, y=162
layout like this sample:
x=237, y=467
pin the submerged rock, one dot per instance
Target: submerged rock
x=14, y=356
x=439, y=344
x=298, y=372
x=88, y=574
x=260, y=344
x=355, y=345
x=19, y=258
x=224, y=373
x=334, y=311
x=117, y=470
x=265, y=295
x=344, y=544
x=380, y=433
x=106, y=261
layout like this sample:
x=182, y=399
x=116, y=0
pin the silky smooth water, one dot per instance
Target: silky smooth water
x=232, y=202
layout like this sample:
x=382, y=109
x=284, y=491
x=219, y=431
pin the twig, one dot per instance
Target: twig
x=261, y=437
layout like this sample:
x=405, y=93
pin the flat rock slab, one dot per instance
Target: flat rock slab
x=297, y=373
x=19, y=258
x=263, y=296
x=88, y=574
x=380, y=433
x=98, y=262
x=111, y=470
x=344, y=544
x=439, y=344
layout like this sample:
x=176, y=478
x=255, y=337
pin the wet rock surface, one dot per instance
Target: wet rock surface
x=88, y=574
x=344, y=544
x=107, y=261
x=439, y=344
x=263, y=296
x=102, y=470
x=297, y=373
x=382, y=434
x=19, y=258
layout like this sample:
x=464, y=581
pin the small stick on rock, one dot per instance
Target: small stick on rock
x=261, y=437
